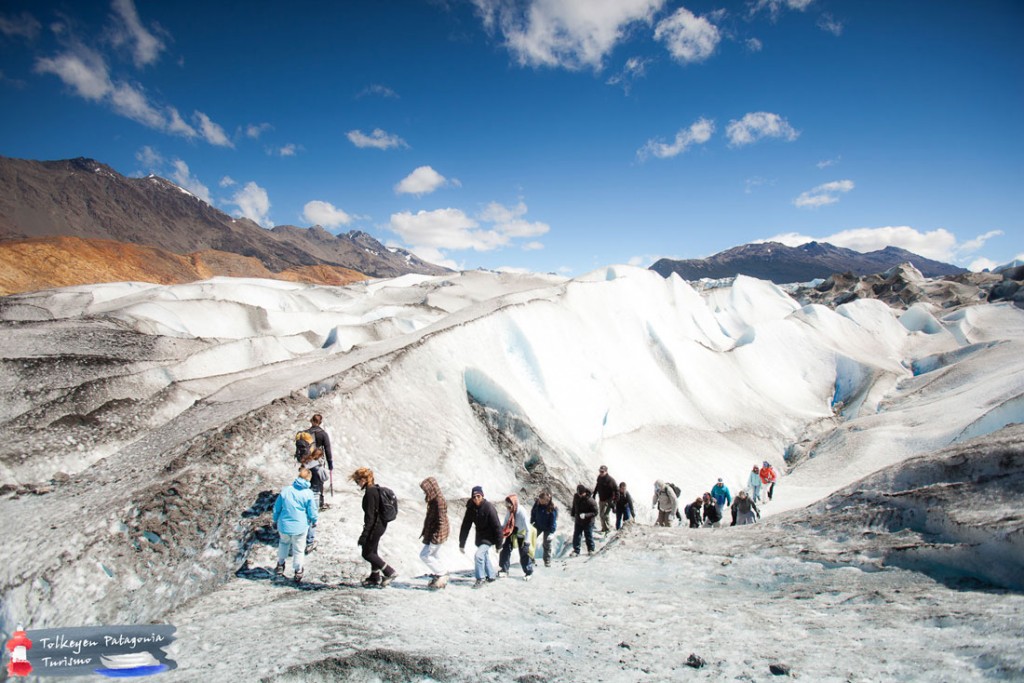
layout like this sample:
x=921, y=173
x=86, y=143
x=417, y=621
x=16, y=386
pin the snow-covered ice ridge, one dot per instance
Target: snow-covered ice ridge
x=150, y=417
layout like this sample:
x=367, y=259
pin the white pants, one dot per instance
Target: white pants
x=429, y=555
x=296, y=543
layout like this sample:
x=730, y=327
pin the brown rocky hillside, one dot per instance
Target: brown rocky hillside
x=44, y=263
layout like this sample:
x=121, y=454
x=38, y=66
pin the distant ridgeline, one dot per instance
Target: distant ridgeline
x=782, y=264
x=88, y=223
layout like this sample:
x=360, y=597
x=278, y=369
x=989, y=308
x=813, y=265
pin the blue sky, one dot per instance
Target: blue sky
x=548, y=135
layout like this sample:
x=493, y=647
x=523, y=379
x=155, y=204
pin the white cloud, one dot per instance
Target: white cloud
x=184, y=178
x=757, y=126
x=255, y=130
x=571, y=34
x=325, y=214
x=823, y=195
x=635, y=68
x=132, y=103
x=750, y=184
x=210, y=131
x=146, y=47
x=83, y=69
x=289, y=150
x=689, y=38
x=227, y=181
x=22, y=26
x=830, y=25
x=178, y=126
x=432, y=233
x=378, y=139
x=421, y=181
x=697, y=134
x=826, y=163
x=980, y=264
x=774, y=7
x=754, y=44
x=149, y=158
x=253, y=203
x=978, y=242
x=379, y=91
x=939, y=244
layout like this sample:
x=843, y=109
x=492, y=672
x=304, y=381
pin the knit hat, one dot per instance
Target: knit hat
x=581, y=489
x=478, y=489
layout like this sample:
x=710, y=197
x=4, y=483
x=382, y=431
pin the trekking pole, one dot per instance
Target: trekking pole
x=331, y=472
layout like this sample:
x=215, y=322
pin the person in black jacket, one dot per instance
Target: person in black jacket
x=481, y=513
x=544, y=518
x=693, y=513
x=712, y=515
x=584, y=509
x=374, y=527
x=322, y=441
x=606, y=491
x=624, y=510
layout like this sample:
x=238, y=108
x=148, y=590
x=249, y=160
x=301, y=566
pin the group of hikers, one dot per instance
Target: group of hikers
x=296, y=512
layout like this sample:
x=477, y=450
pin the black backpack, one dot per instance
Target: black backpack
x=675, y=488
x=388, y=504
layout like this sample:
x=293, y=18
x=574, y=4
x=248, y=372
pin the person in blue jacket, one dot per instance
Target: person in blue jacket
x=720, y=492
x=544, y=518
x=294, y=511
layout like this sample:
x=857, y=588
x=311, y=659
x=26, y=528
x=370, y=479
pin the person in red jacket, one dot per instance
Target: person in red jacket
x=768, y=478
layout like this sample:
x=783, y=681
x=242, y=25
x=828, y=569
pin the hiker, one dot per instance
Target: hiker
x=435, y=532
x=310, y=456
x=584, y=509
x=720, y=492
x=754, y=484
x=606, y=491
x=323, y=442
x=481, y=513
x=544, y=518
x=374, y=527
x=712, y=513
x=624, y=510
x=744, y=509
x=294, y=511
x=664, y=502
x=514, y=531
x=693, y=513
x=768, y=478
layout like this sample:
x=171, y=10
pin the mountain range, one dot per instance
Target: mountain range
x=783, y=264
x=108, y=214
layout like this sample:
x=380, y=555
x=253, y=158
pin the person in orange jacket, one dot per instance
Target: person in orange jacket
x=768, y=478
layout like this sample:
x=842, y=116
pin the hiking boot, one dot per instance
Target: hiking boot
x=298, y=576
x=310, y=547
x=479, y=583
x=590, y=551
x=371, y=581
x=503, y=574
x=575, y=553
x=439, y=582
x=547, y=563
x=387, y=579
x=527, y=577
x=279, y=569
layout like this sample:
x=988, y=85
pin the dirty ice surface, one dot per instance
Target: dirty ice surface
x=892, y=550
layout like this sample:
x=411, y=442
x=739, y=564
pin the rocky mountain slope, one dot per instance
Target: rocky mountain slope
x=782, y=264
x=85, y=199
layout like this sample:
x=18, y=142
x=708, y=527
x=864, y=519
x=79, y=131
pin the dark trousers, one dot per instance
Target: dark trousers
x=621, y=517
x=545, y=542
x=505, y=557
x=371, y=556
x=583, y=528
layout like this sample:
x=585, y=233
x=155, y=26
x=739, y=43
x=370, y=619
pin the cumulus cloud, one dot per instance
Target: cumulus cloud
x=378, y=90
x=378, y=139
x=255, y=130
x=325, y=214
x=211, y=131
x=253, y=203
x=227, y=181
x=939, y=244
x=145, y=46
x=183, y=177
x=689, y=38
x=634, y=69
x=432, y=233
x=570, y=34
x=759, y=125
x=822, y=195
x=697, y=134
x=22, y=26
x=421, y=181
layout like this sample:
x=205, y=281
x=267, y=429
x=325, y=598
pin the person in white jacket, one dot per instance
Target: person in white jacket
x=665, y=502
x=516, y=531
